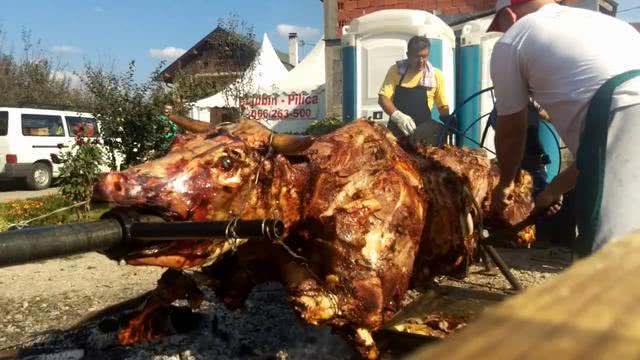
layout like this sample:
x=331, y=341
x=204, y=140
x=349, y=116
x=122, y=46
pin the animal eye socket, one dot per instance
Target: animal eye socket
x=226, y=163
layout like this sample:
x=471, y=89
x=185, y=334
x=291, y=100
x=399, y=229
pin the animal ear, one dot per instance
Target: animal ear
x=291, y=144
x=191, y=125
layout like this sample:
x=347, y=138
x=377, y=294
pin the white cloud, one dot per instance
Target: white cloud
x=65, y=49
x=303, y=31
x=74, y=79
x=168, y=53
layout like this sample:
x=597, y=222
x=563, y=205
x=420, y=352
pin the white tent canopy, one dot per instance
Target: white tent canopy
x=307, y=76
x=266, y=69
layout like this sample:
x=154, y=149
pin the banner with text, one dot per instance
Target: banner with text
x=292, y=106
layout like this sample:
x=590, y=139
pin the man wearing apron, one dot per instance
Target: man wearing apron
x=410, y=89
x=582, y=67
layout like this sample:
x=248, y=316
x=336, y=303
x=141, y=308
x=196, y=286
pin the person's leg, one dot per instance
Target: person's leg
x=620, y=209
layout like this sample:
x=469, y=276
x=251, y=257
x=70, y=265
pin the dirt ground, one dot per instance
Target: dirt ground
x=55, y=294
x=38, y=299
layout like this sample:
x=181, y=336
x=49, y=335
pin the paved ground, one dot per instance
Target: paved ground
x=10, y=190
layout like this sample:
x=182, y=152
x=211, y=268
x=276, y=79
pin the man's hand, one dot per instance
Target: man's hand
x=548, y=203
x=404, y=122
x=168, y=110
x=502, y=197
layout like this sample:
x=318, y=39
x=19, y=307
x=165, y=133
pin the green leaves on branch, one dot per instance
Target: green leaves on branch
x=80, y=168
x=324, y=126
x=129, y=113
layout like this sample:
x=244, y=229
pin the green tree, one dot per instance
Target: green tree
x=128, y=112
x=36, y=79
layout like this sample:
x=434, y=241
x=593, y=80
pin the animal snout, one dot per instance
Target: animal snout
x=111, y=188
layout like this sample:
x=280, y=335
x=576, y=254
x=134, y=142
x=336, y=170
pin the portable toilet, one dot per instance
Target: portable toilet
x=374, y=42
x=476, y=47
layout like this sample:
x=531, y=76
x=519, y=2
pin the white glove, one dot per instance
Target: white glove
x=404, y=122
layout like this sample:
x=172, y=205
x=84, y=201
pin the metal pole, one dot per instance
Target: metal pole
x=504, y=269
x=41, y=243
x=187, y=230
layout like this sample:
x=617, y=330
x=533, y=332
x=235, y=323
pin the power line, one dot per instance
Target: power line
x=629, y=9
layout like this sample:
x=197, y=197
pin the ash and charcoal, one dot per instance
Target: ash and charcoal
x=267, y=328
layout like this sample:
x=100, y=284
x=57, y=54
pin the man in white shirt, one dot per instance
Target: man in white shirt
x=580, y=66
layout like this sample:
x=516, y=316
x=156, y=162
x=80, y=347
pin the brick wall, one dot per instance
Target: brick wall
x=350, y=9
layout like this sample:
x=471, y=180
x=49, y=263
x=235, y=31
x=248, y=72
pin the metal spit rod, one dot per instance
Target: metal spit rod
x=46, y=242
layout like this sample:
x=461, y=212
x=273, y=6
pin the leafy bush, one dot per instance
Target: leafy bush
x=324, y=126
x=80, y=167
x=129, y=113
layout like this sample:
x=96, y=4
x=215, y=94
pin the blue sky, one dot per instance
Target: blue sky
x=633, y=15
x=117, y=31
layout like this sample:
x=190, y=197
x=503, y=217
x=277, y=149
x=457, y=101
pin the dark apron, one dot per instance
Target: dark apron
x=590, y=162
x=413, y=102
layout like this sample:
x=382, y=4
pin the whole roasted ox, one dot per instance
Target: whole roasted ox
x=363, y=219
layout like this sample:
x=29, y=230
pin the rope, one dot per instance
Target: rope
x=25, y=223
x=230, y=231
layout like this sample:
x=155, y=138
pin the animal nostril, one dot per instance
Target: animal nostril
x=117, y=186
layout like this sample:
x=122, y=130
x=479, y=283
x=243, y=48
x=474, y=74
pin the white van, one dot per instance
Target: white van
x=28, y=137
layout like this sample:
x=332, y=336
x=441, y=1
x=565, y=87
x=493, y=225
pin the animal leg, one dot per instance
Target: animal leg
x=234, y=276
x=153, y=320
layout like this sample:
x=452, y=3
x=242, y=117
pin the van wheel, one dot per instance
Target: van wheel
x=40, y=176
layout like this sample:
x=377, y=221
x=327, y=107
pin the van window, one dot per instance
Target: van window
x=87, y=124
x=42, y=125
x=4, y=123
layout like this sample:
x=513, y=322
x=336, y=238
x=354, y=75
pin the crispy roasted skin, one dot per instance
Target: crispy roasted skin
x=458, y=185
x=363, y=216
x=361, y=225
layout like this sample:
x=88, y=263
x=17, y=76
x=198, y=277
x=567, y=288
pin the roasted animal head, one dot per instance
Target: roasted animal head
x=212, y=174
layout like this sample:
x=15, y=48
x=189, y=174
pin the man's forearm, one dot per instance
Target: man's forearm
x=189, y=123
x=386, y=104
x=511, y=135
x=564, y=182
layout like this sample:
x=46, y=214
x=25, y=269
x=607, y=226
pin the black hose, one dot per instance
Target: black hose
x=473, y=96
x=475, y=122
x=46, y=242
x=443, y=131
x=486, y=130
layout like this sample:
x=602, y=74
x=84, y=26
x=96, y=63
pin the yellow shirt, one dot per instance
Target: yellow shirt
x=412, y=79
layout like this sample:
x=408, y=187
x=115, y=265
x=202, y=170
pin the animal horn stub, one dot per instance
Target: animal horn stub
x=291, y=144
x=191, y=125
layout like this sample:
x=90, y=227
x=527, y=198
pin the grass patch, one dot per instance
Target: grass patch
x=14, y=212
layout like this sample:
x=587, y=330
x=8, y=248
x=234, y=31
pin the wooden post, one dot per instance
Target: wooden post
x=591, y=311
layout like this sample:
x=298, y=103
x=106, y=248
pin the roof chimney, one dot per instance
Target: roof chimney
x=293, y=49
